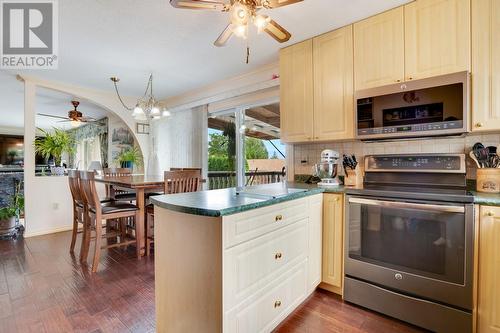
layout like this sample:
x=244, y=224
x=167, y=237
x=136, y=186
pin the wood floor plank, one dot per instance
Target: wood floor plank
x=43, y=288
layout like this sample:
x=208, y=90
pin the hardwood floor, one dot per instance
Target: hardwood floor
x=44, y=289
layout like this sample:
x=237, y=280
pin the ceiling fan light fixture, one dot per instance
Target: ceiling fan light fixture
x=241, y=31
x=166, y=113
x=261, y=22
x=240, y=14
x=74, y=123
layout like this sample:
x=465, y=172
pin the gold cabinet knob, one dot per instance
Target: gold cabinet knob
x=316, y=137
x=479, y=124
x=490, y=213
x=277, y=304
x=278, y=218
x=398, y=80
x=336, y=199
x=278, y=255
x=410, y=78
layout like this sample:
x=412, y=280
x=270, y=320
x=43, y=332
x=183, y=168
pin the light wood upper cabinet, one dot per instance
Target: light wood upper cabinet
x=437, y=37
x=485, y=65
x=488, y=318
x=296, y=92
x=333, y=245
x=333, y=85
x=379, y=50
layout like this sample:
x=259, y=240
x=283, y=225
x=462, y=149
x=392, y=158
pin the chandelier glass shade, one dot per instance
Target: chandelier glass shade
x=147, y=106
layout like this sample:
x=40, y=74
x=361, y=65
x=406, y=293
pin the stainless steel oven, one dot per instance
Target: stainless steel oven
x=426, y=107
x=409, y=249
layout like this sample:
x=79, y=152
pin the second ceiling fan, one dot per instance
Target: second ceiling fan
x=242, y=13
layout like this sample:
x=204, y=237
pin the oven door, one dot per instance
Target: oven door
x=422, y=249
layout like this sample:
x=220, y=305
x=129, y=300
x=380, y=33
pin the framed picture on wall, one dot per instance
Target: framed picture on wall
x=142, y=128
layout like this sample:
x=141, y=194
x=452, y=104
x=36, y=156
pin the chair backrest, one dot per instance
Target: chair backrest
x=182, y=181
x=87, y=184
x=185, y=169
x=116, y=172
x=74, y=186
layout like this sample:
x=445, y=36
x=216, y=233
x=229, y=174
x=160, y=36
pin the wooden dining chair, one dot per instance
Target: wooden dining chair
x=78, y=206
x=178, y=181
x=97, y=212
x=118, y=194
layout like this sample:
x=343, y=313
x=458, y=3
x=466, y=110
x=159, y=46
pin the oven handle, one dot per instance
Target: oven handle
x=408, y=205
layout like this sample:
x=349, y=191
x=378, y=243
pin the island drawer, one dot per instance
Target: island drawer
x=269, y=308
x=251, y=266
x=242, y=227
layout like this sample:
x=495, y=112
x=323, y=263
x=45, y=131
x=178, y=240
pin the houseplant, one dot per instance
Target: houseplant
x=55, y=144
x=129, y=157
x=9, y=216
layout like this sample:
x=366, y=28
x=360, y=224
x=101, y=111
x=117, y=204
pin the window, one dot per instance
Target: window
x=244, y=147
x=87, y=150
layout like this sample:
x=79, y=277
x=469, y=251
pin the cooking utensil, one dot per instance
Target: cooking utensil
x=473, y=157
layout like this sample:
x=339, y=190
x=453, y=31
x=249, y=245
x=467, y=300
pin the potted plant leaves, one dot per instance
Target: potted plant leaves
x=129, y=157
x=9, y=216
x=55, y=144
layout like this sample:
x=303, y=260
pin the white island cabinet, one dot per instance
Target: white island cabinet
x=237, y=273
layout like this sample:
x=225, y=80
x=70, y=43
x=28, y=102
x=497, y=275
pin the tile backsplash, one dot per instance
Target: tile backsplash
x=306, y=155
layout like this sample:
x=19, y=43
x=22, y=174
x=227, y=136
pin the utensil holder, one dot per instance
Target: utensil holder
x=488, y=180
x=354, y=177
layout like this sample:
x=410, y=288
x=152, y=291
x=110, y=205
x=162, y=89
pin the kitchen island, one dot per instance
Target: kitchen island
x=229, y=262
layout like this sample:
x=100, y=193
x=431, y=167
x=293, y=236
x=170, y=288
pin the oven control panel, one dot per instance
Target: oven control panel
x=448, y=163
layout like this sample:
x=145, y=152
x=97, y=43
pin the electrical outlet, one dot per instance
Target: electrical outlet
x=55, y=206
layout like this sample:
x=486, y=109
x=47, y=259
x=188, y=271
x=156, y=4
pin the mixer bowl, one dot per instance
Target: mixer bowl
x=325, y=170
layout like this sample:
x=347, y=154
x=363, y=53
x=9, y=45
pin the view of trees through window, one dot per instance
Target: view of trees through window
x=263, y=151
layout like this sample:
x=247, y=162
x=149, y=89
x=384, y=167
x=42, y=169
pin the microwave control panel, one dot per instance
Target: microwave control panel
x=445, y=125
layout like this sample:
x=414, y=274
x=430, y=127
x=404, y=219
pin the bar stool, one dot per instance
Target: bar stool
x=179, y=181
x=96, y=212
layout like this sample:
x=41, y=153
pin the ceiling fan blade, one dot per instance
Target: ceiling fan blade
x=65, y=121
x=199, y=4
x=86, y=119
x=224, y=36
x=51, y=116
x=278, y=3
x=277, y=31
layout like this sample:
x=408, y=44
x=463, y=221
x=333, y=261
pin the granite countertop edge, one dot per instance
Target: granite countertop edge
x=488, y=199
x=160, y=201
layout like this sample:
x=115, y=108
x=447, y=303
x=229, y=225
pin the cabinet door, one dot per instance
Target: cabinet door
x=485, y=65
x=437, y=37
x=333, y=245
x=489, y=270
x=333, y=85
x=379, y=50
x=296, y=92
x=315, y=241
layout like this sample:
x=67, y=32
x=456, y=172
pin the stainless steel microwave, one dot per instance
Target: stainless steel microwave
x=426, y=107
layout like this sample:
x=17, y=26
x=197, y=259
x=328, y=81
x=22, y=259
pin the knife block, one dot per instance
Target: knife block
x=354, y=177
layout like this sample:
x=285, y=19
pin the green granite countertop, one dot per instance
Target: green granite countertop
x=226, y=201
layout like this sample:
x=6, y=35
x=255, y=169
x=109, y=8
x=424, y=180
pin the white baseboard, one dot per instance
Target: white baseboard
x=48, y=231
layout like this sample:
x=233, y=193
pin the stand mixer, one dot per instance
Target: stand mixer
x=327, y=168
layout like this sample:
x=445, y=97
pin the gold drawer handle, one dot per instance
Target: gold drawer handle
x=278, y=255
x=479, y=124
x=490, y=213
x=278, y=218
x=277, y=304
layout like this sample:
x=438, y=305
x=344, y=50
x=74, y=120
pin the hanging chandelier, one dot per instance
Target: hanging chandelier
x=147, y=107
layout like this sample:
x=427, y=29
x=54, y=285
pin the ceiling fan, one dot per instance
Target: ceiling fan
x=242, y=13
x=74, y=116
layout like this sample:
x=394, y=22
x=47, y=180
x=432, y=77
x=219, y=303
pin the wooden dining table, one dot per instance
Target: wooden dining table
x=141, y=184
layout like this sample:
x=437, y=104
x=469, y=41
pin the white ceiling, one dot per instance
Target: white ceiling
x=131, y=38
